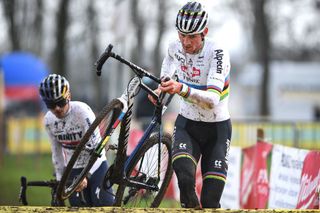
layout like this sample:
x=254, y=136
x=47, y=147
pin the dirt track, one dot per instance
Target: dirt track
x=133, y=210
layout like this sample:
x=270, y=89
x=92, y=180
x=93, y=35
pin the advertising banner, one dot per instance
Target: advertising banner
x=254, y=189
x=310, y=180
x=230, y=196
x=285, y=173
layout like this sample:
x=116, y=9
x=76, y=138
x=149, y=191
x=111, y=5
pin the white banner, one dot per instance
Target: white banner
x=286, y=167
x=230, y=196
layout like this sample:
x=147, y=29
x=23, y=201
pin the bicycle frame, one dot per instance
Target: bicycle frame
x=124, y=118
x=148, y=131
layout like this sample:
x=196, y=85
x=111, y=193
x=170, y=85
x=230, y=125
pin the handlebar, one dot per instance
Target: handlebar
x=103, y=58
x=24, y=184
x=138, y=70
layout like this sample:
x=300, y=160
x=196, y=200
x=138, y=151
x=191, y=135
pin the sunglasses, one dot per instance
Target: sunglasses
x=52, y=105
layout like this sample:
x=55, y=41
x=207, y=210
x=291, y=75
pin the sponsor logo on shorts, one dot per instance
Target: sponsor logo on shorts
x=218, y=164
x=182, y=146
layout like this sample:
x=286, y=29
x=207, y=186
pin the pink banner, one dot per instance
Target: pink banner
x=254, y=185
x=310, y=179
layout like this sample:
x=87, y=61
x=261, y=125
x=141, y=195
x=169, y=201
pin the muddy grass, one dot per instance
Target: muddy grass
x=135, y=210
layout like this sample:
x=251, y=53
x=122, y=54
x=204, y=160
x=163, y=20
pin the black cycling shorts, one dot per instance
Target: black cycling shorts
x=208, y=140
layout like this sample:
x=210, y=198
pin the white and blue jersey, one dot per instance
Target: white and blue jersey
x=65, y=134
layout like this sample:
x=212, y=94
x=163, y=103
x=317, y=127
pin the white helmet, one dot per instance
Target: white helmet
x=191, y=19
x=54, y=88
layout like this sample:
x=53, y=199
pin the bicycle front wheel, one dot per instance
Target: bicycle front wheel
x=148, y=175
x=89, y=148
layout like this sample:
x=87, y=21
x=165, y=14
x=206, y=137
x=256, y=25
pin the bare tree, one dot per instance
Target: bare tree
x=38, y=28
x=24, y=20
x=139, y=25
x=294, y=48
x=160, y=31
x=60, y=52
x=9, y=11
x=300, y=35
x=262, y=44
x=93, y=39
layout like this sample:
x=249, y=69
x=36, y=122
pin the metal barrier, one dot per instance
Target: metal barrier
x=27, y=135
x=304, y=135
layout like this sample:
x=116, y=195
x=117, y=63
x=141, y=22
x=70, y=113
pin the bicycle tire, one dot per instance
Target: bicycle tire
x=103, y=123
x=146, y=197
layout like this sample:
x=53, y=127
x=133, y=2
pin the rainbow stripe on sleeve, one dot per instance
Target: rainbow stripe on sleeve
x=212, y=88
x=225, y=91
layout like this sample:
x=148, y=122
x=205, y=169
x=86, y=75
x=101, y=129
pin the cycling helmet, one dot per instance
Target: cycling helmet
x=191, y=19
x=54, y=88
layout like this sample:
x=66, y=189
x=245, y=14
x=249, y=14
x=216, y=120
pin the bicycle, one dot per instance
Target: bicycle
x=51, y=184
x=144, y=175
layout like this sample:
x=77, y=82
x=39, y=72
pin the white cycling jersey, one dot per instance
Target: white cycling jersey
x=65, y=134
x=205, y=77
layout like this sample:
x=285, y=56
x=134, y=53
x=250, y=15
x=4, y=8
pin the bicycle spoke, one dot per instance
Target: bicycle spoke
x=146, y=173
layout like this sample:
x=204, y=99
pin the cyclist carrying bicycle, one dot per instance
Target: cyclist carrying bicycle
x=203, y=126
x=66, y=122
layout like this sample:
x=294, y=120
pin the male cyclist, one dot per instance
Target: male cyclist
x=66, y=122
x=203, y=126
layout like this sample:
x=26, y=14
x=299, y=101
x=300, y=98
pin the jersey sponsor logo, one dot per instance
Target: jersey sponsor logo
x=88, y=121
x=190, y=73
x=195, y=72
x=59, y=124
x=191, y=80
x=218, y=79
x=219, y=58
x=180, y=58
x=70, y=136
x=184, y=68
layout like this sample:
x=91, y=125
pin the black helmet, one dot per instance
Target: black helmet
x=191, y=19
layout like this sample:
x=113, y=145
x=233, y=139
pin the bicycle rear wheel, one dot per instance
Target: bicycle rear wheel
x=89, y=148
x=144, y=169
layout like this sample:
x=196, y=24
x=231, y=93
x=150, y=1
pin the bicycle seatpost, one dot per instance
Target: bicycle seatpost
x=102, y=59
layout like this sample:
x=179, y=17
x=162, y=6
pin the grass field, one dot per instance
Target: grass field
x=39, y=167
x=34, y=167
